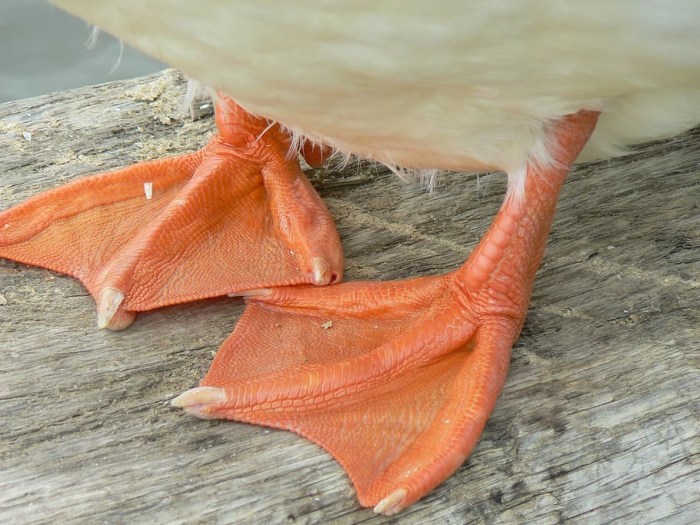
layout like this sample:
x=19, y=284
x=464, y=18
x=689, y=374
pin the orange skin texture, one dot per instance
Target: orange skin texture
x=237, y=215
x=396, y=379
x=316, y=155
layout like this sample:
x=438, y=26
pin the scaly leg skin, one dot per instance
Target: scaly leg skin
x=238, y=215
x=396, y=380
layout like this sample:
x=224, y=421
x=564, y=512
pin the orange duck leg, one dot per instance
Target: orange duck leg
x=237, y=215
x=396, y=380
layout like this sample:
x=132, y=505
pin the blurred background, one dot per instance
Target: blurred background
x=43, y=49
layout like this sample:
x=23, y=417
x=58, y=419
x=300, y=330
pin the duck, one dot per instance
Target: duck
x=397, y=379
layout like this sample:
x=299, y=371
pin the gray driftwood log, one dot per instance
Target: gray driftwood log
x=598, y=422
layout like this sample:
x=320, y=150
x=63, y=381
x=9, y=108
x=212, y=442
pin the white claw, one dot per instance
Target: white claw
x=321, y=271
x=110, y=299
x=256, y=292
x=196, y=401
x=392, y=503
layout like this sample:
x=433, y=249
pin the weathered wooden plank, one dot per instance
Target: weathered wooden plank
x=598, y=422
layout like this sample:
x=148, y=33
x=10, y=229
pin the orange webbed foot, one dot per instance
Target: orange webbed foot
x=235, y=216
x=396, y=380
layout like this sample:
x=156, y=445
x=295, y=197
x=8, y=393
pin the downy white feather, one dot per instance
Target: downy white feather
x=459, y=84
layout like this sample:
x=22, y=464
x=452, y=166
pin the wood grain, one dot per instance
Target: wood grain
x=598, y=422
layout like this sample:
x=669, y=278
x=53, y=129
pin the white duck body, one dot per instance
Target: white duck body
x=460, y=84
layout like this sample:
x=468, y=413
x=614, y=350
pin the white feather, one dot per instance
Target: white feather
x=459, y=84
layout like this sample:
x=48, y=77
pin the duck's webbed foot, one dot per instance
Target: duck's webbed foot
x=396, y=380
x=236, y=216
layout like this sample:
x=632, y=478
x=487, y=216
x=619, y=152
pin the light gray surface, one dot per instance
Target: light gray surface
x=597, y=423
x=43, y=49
